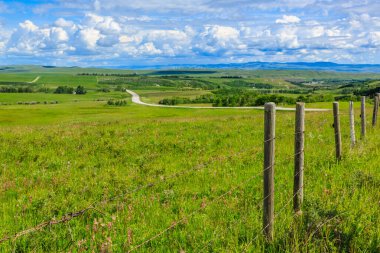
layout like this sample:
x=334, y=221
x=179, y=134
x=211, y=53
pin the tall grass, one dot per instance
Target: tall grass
x=54, y=167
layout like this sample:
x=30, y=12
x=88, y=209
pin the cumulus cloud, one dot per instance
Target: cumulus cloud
x=57, y=34
x=61, y=22
x=287, y=37
x=197, y=29
x=374, y=39
x=316, y=31
x=88, y=38
x=106, y=25
x=288, y=20
x=28, y=26
x=149, y=48
x=31, y=39
x=3, y=39
x=216, y=40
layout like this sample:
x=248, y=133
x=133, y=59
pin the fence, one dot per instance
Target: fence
x=269, y=214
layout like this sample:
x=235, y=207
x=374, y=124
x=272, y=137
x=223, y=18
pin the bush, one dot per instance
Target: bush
x=64, y=90
x=80, y=90
x=117, y=102
x=5, y=89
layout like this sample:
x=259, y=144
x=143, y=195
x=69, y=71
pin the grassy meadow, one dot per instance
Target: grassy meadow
x=147, y=179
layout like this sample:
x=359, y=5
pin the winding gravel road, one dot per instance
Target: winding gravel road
x=36, y=79
x=136, y=99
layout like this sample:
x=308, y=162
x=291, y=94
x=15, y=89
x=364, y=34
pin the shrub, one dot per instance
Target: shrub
x=64, y=90
x=80, y=90
x=113, y=102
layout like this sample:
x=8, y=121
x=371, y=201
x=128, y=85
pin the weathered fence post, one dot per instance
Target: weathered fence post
x=375, y=109
x=269, y=152
x=338, y=138
x=299, y=158
x=363, y=118
x=352, y=124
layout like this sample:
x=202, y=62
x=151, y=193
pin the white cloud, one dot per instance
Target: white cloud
x=106, y=25
x=2, y=42
x=374, y=39
x=33, y=40
x=61, y=22
x=288, y=20
x=222, y=34
x=188, y=6
x=28, y=26
x=138, y=18
x=287, y=37
x=198, y=29
x=57, y=34
x=126, y=39
x=149, y=48
x=175, y=37
x=89, y=37
x=216, y=39
x=333, y=32
x=316, y=31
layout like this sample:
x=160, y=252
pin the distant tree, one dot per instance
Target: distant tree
x=64, y=90
x=80, y=90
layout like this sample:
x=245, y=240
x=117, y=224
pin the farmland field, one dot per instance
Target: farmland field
x=146, y=179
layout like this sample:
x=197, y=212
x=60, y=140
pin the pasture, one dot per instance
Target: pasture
x=143, y=179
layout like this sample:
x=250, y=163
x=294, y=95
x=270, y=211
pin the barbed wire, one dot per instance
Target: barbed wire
x=65, y=218
x=290, y=200
x=236, y=221
x=69, y=216
x=321, y=225
x=261, y=200
x=186, y=217
x=174, y=224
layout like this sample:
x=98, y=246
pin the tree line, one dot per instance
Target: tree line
x=231, y=98
x=29, y=89
x=80, y=90
x=106, y=74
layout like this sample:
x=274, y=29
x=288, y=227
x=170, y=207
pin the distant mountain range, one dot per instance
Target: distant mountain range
x=317, y=66
x=311, y=66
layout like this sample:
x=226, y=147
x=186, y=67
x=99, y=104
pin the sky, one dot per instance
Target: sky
x=167, y=32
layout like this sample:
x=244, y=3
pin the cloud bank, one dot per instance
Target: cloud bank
x=148, y=32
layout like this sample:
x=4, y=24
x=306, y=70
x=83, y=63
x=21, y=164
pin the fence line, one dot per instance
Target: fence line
x=270, y=136
x=181, y=220
x=321, y=225
x=174, y=224
x=288, y=202
x=261, y=200
x=69, y=216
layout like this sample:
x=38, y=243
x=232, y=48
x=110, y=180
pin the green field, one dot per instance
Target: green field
x=148, y=179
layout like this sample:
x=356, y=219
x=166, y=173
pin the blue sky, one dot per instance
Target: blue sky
x=151, y=32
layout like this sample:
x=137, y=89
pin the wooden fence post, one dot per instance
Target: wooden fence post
x=299, y=140
x=352, y=124
x=375, y=110
x=269, y=152
x=338, y=138
x=363, y=118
